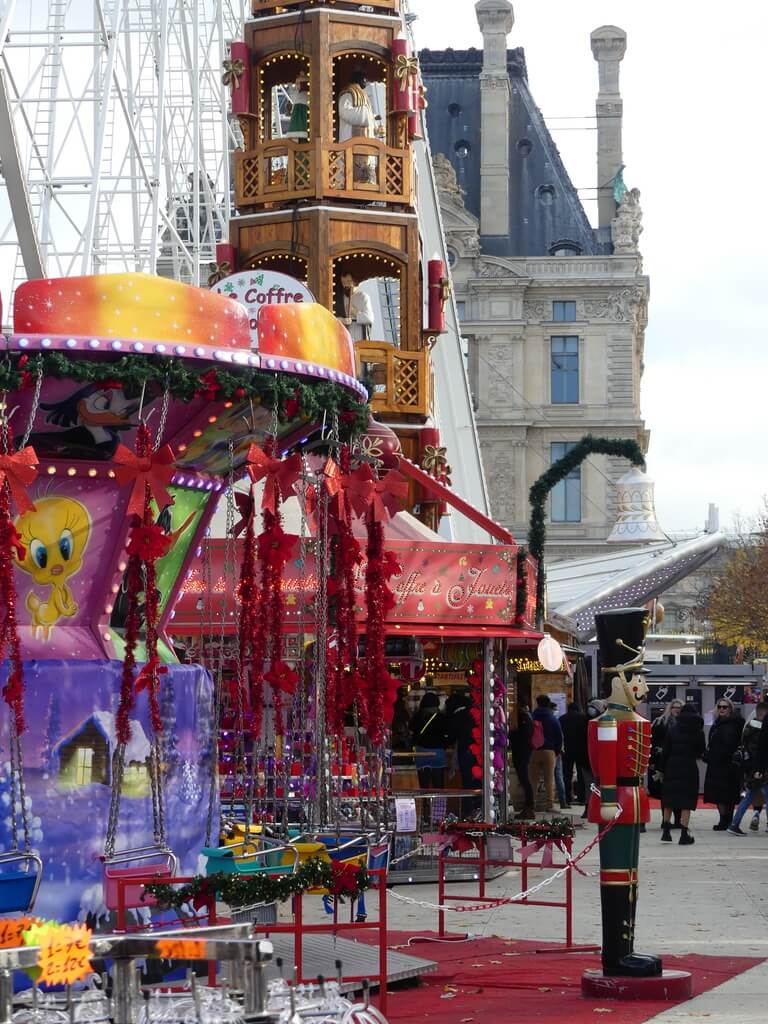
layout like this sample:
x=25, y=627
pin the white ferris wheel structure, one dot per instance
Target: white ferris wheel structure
x=114, y=143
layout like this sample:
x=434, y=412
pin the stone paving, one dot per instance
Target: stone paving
x=708, y=898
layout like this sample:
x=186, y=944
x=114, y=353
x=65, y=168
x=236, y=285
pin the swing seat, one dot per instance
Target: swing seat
x=18, y=888
x=271, y=858
x=162, y=867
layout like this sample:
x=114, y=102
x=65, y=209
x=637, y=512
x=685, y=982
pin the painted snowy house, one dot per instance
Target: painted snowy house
x=84, y=756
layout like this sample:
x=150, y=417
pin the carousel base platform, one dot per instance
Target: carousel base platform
x=359, y=959
x=669, y=986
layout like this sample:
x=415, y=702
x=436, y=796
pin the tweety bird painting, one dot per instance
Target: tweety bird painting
x=55, y=535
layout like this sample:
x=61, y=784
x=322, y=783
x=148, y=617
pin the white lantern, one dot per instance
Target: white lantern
x=550, y=653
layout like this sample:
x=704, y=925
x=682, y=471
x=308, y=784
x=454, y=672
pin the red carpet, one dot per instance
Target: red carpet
x=492, y=981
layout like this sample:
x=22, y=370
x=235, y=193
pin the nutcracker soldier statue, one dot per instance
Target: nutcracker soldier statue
x=619, y=747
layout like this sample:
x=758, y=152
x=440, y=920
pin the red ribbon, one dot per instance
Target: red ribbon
x=247, y=509
x=19, y=470
x=154, y=471
x=389, y=496
x=359, y=488
x=279, y=475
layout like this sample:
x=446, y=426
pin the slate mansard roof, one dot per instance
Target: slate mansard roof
x=545, y=210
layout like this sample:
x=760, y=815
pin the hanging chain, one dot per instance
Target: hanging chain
x=229, y=574
x=163, y=418
x=114, y=800
x=13, y=784
x=35, y=405
x=321, y=643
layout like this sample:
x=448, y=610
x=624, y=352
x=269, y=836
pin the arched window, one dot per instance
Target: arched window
x=284, y=86
x=360, y=97
x=366, y=295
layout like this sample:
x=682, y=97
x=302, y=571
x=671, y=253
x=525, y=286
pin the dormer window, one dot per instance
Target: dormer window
x=565, y=247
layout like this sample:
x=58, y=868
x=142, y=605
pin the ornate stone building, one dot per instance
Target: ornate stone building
x=554, y=310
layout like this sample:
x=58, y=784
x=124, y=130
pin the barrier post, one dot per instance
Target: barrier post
x=383, y=974
x=441, y=893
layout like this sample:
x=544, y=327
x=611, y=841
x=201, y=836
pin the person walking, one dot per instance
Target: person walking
x=520, y=748
x=430, y=739
x=659, y=729
x=459, y=726
x=683, y=747
x=546, y=744
x=574, y=725
x=722, y=783
x=755, y=778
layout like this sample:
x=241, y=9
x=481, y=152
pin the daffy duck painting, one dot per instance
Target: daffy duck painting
x=92, y=419
x=55, y=534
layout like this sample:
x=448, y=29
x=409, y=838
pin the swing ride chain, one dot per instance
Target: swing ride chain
x=35, y=405
x=301, y=652
x=219, y=669
x=114, y=800
x=13, y=785
x=22, y=791
x=163, y=418
x=320, y=658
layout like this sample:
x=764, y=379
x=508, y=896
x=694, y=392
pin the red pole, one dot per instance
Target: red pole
x=298, y=920
x=481, y=891
x=382, y=941
x=569, y=898
x=441, y=893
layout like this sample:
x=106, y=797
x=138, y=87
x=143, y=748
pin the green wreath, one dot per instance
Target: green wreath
x=558, y=471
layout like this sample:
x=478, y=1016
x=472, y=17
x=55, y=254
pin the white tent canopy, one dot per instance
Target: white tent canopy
x=579, y=588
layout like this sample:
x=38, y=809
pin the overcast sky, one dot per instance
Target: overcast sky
x=694, y=88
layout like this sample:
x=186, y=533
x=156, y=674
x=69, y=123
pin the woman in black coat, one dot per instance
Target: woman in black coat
x=659, y=729
x=722, y=785
x=683, y=746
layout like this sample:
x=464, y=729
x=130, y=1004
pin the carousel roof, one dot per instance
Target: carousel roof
x=579, y=588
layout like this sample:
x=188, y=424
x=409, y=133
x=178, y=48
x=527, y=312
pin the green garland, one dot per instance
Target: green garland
x=241, y=890
x=315, y=398
x=556, y=829
x=557, y=472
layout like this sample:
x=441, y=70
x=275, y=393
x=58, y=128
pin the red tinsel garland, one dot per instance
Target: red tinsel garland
x=343, y=668
x=146, y=544
x=274, y=548
x=13, y=691
x=248, y=610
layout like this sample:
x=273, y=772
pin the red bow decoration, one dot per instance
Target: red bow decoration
x=282, y=677
x=19, y=470
x=154, y=471
x=276, y=547
x=14, y=539
x=246, y=506
x=279, y=475
x=359, y=488
x=151, y=670
x=344, y=879
x=389, y=496
x=148, y=542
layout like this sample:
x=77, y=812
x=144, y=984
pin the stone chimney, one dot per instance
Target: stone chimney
x=609, y=44
x=495, y=18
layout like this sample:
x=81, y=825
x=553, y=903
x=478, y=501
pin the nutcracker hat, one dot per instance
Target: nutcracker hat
x=621, y=639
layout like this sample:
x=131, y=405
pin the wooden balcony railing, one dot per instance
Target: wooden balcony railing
x=402, y=381
x=284, y=170
x=262, y=7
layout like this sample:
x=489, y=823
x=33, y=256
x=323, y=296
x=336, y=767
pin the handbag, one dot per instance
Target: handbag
x=741, y=758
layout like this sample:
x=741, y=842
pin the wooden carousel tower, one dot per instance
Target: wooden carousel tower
x=328, y=98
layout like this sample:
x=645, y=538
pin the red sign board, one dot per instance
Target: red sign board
x=440, y=584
